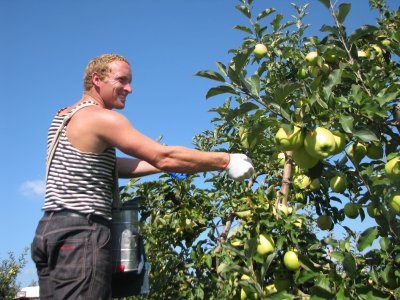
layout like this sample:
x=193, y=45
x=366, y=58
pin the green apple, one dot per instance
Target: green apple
x=291, y=260
x=265, y=245
x=288, y=141
x=364, y=53
x=247, y=295
x=302, y=181
x=311, y=57
x=320, y=143
x=313, y=70
x=325, y=69
x=315, y=184
x=338, y=183
x=373, y=211
x=299, y=197
x=394, y=202
x=269, y=289
x=351, y=210
x=386, y=42
x=302, y=73
x=357, y=152
x=260, y=50
x=374, y=151
x=298, y=223
x=282, y=209
x=378, y=50
x=303, y=159
x=281, y=159
x=330, y=57
x=325, y=222
x=340, y=141
x=392, y=169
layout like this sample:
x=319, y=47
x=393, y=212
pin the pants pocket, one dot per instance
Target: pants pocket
x=68, y=259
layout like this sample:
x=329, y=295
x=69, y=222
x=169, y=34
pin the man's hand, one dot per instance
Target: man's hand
x=240, y=167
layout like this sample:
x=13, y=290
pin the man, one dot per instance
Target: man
x=71, y=247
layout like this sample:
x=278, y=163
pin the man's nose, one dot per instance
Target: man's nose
x=128, y=88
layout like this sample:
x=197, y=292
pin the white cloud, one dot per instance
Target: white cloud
x=32, y=188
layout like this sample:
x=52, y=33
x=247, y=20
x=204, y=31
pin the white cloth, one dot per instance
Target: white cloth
x=240, y=167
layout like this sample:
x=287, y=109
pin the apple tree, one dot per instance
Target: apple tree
x=320, y=118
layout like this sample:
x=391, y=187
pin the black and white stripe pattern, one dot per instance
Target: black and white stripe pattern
x=79, y=180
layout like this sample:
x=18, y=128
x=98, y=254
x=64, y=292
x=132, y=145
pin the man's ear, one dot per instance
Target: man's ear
x=96, y=79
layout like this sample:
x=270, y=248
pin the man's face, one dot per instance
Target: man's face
x=117, y=85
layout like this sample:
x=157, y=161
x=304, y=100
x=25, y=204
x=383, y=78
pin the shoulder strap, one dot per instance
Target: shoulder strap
x=54, y=142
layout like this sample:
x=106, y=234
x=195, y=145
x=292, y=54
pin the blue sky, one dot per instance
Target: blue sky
x=45, y=48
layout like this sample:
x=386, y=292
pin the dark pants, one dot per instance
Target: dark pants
x=73, y=258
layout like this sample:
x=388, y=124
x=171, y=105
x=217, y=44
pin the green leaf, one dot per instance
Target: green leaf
x=362, y=31
x=220, y=90
x=347, y=123
x=365, y=135
x=281, y=296
x=243, y=28
x=275, y=23
x=222, y=68
x=342, y=294
x=326, y=3
x=210, y=75
x=386, y=98
x=334, y=78
x=366, y=238
x=265, y=13
x=344, y=9
x=241, y=110
x=337, y=255
x=349, y=265
x=245, y=10
x=284, y=90
x=326, y=28
x=254, y=85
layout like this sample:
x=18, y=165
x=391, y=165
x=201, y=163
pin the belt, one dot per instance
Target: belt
x=70, y=213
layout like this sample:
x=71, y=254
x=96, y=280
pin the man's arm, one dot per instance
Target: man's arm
x=132, y=167
x=116, y=130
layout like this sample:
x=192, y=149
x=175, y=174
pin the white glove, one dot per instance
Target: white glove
x=240, y=167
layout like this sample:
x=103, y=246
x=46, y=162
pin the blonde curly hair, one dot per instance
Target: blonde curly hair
x=100, y=65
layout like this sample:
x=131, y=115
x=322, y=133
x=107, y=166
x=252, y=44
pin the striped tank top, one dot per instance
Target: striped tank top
x=80, y=181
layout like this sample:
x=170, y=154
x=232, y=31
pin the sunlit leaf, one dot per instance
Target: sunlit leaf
x=210, y=75
x=347, y=123
x=362, y=31
x=265, y=13
x=349, y=265
x=365, y=135
x=367, y=238
x=243, y=28
x=245, y=10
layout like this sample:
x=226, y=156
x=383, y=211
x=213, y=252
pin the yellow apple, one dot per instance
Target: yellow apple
x=260, y=50
x=364, y=53
x=265, y=245
x=302, y=181
x=357, y=152
x=320, y=143
x=392, y=169
x=394, y=202
x=287, y=141
x=311, y=57
x=281, y=159
x=303, y=159
x=340, y=141
x=338, y=183
x=291, y=260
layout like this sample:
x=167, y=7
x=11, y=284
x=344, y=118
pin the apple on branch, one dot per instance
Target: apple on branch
x=320, y=143
x=260, y=50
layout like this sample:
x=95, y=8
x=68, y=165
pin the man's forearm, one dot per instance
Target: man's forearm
x=131, y=167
